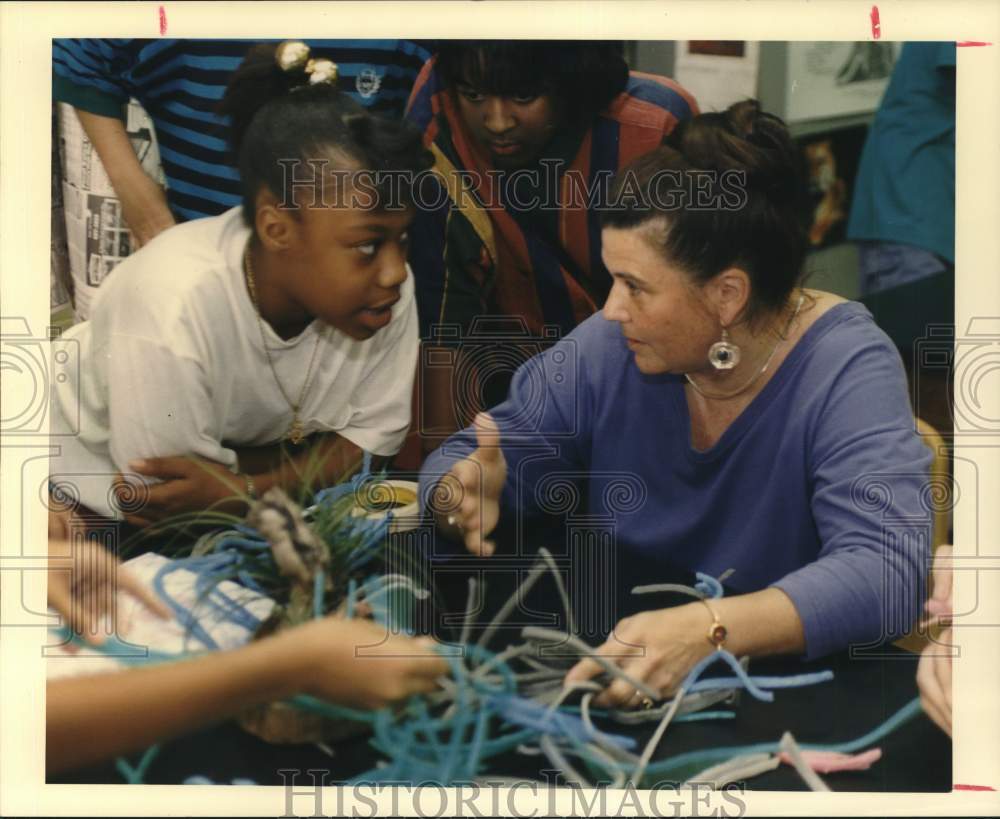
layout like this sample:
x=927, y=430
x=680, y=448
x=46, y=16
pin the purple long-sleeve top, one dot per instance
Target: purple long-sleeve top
x=819, y=487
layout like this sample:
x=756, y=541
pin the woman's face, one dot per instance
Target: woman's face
x=348, y=265
x=512, y=130
x=664, y=317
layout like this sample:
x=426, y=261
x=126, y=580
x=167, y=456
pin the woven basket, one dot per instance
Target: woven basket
x=282, y=724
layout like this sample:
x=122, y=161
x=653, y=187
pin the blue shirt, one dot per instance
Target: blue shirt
x=905, y=187
x=818, y=487
x=180, y=83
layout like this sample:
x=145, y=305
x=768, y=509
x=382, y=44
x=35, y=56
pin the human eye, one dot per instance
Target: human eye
x=632, y=287
x=471, y=94
x=368, y=249
x=525, y=99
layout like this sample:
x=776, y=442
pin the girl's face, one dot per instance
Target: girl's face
x=348, y=265
x=663, y=316
x=512, y=130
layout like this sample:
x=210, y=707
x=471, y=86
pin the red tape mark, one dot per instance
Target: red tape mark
x=876, y=25
x=163, y=21
x=968, y=43
x=972, y=788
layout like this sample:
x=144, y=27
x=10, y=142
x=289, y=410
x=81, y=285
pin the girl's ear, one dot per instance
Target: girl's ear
x=276, y=226
x=729, y=294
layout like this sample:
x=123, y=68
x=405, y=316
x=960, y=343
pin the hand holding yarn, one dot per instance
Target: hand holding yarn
x=656, y=648
x=357, y=663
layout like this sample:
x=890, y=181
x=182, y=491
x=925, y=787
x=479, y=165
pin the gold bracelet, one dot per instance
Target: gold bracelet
x=251, y=487
x=717, y=632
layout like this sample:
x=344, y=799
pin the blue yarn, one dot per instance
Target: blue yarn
x=728, y=658
x=708, y=585
x=256, y=544
x=697, y=716
x=532, y=715
x=319, y=579
x=149, y=656
x=329, y=709
x=795, y=681
x=476, y=749
x=247, y=529
x=247, y=580
x=136, y=775
x=458, y=727
x=352, y=593
x=232, y=610
x=183, y=615
x=906, y=713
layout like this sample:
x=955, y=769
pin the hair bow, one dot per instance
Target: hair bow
x=293, y=55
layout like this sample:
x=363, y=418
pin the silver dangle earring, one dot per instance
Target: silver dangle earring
x=724, y=355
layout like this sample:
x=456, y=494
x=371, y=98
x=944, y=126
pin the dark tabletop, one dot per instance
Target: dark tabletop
x=868, y=687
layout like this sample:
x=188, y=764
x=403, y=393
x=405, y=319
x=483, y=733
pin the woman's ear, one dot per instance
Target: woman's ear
x=276, y=226
x=729, y=294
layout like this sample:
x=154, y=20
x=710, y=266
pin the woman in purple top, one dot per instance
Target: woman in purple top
x=759, y=427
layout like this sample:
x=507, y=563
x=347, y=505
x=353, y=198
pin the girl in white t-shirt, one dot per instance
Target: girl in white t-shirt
x=238, y=352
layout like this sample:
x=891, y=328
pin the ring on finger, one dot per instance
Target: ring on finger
x=644, y=702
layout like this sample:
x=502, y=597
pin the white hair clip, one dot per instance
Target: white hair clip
x=293, y=55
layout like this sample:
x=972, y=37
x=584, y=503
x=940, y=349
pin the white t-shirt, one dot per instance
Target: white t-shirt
x=171, y=363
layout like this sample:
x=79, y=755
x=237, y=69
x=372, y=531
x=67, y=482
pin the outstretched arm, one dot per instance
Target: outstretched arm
x=92, y=718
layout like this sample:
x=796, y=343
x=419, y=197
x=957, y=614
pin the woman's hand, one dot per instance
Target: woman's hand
x=357, y=663
x=83, y=581
x=657, y=648
x=466, y=501
x=189, y=483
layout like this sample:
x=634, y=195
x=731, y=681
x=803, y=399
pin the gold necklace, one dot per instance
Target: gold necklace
x=296, y=430
x=756, y=376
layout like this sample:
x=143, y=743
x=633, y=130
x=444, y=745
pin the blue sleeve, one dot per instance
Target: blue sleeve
x=98, y=66
x=870, y=503
x=545, y=424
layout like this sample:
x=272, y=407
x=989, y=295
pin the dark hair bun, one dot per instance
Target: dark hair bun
x=747, y=139
x=277, y=116
x=254, y=83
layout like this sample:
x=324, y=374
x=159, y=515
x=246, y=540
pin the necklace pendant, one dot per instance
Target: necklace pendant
x=296, y=432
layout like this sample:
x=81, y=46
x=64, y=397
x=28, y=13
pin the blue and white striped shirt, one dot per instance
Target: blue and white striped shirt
x=180, y=83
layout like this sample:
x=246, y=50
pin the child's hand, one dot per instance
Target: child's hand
x=83, y=579
x=474, y=484
x=189, y=483
x=357, y=663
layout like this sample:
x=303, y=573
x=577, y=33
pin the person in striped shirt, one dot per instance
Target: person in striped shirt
x=180, y=83
x=526, y=137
